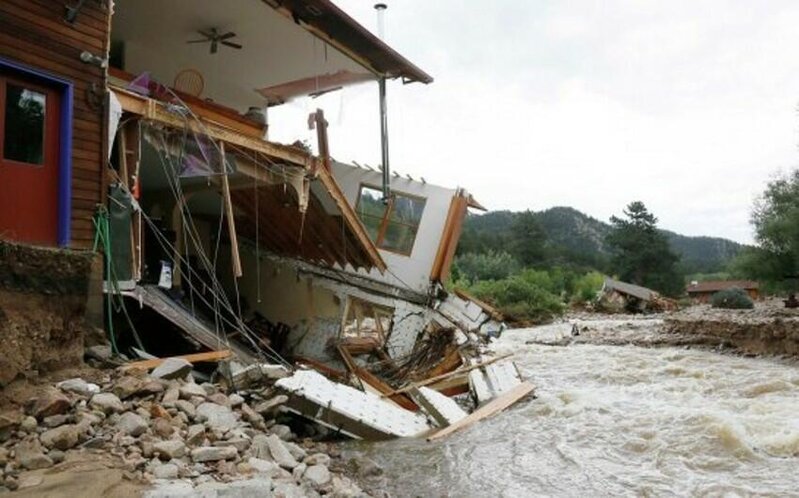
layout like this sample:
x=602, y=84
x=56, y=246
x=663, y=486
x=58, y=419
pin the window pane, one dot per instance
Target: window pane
x=407, y=210
x=372, y=225
x=371, y=210
x=24, y=125
x=399, y=238
x=370, y=202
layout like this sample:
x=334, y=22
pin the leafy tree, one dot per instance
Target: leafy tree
x=775, y=218
x=640, y=254
x=528, y=239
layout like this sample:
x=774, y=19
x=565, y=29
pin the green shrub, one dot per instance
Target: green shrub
x=526, y=297
x=587, y=287
x=491, y=265
x=734, y=299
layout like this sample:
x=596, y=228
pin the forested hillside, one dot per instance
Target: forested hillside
x=572, y=238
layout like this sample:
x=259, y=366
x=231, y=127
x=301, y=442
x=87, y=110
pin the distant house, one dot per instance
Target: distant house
x=702, y=291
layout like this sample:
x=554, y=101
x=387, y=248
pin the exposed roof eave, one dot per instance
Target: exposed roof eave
x=328, y=22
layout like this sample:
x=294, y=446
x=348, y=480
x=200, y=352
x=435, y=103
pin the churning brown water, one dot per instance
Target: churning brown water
x=617, y=421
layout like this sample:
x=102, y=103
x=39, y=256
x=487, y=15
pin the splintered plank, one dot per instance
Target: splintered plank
x=191, y=358
x=492, y=408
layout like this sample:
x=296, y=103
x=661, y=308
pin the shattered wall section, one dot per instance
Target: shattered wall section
x=43, y=296
x=409, y=322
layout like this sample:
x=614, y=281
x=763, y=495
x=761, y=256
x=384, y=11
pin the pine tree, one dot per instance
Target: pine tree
x=640, y=254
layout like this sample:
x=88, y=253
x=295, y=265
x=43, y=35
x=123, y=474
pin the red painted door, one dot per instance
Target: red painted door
x=29, y=157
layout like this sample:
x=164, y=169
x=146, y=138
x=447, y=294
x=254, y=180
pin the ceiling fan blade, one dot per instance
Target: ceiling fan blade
x=198, y=41
x=231, y=44
x=214, y=47
x=227, y=35
x=207, y=33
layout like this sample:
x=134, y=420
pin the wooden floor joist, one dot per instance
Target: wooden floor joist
x=491, y=408
x=191, y=358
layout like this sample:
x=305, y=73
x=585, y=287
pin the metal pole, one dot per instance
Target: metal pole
x=381, y=8
x=384, y=140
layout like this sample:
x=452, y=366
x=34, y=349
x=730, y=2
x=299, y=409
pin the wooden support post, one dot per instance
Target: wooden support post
x=494, y=406
x=235, y=257
x=124, y=174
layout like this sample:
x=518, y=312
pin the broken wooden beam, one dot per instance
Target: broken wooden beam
x=191, y=358
x=493, y=407
x=231, y=222
x=433, y=380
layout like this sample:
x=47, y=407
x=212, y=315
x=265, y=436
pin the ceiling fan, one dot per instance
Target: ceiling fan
x=213, y=37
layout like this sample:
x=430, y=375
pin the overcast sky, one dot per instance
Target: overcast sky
x=688, y=106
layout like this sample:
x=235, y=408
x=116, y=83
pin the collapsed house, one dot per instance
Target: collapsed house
x=616, y=296
x=216, y=238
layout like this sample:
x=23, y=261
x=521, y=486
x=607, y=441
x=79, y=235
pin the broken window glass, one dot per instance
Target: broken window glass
x=23, y=139
x=393, y=225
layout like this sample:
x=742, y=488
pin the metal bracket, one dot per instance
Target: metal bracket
x=72, y=12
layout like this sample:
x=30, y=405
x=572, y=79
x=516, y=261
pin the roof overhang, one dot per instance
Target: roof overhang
x=325, y=20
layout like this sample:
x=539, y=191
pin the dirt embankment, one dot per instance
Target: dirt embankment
x=769, y=328
x=43, y=295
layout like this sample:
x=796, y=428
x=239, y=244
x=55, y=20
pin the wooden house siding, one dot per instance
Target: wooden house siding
x=34, y=33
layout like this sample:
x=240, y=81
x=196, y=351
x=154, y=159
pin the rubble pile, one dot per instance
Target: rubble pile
x=166, y=430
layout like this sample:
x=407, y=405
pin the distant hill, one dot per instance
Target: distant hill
x=576, y=238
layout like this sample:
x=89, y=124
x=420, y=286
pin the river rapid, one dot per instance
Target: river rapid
x=616, y=421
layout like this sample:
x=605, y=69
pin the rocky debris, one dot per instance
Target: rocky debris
x=78, y=386
x=186, y=407
x=29, y=455
x=318, y=459
x=49, y=403
x=186, y=439
x=100, y=352
x=195, y=434
x=127, y=386
x=62, y=438
x=167, y=450
x=213, y=453
x=191, y=390
x=165, y=471
x=107, y=403
x=172, y=368
x=28, y=424
x=280, y=454
x=271, y=406
x=317, y=475
x=131, y=424
x=216, y=417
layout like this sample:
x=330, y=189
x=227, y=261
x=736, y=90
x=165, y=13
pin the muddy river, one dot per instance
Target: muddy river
x=617, y=421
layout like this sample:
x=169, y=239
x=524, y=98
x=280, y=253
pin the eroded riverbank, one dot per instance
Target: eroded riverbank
x=617, y=420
